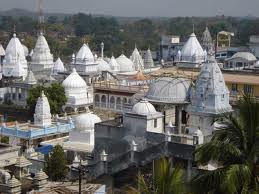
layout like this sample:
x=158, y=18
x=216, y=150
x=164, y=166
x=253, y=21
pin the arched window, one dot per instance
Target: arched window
x=124, y=100
x=112, y=102
x=118, y=103
x=97, y=100
x=103, y=101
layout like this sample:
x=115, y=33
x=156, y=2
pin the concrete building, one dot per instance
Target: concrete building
x=240, y=60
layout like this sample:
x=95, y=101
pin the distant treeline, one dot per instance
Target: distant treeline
x=121, y=35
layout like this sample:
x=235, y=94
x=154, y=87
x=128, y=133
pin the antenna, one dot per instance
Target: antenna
x=193, y=28
x=40, y=16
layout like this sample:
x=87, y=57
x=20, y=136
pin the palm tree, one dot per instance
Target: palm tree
x=166, y=180
x=235, y=148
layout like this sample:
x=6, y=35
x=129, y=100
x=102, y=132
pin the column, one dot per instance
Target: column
x=179, y=119
x=16, y=94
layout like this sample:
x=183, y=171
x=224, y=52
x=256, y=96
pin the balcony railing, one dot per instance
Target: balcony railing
x=114, y=86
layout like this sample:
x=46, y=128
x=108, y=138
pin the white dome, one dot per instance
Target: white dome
x=169, y=90
x=244, y=55
x=192, y=50
x=26, y=50
x=144, y=108
x=74, y=80
x=125, y=64
x=102, y=65
x=58, y=66
x=84, y=55
x=86, y=121
x=114, y=65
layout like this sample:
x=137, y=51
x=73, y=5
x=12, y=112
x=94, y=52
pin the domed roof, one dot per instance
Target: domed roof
x=58, y=66
x=86, y=121
x=169, y=90
x=137, y=60
x=144, y=108
x=148, y=59
x=114, y=65
x=84, y=55
x=74, y=80
x=102, y=65
x=26, y=50
x=42, y=107
x=192, y=50
x=125, y=64
x=244, y=55
x=2, y=51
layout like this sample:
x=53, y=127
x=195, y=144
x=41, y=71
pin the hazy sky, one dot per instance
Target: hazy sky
x=142, y=7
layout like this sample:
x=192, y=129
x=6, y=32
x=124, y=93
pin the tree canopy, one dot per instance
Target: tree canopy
x=55, y=94
x=56, y=167
x=235, y=148
x=164, y=181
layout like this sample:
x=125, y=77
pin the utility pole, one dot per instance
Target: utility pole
x=81, y=169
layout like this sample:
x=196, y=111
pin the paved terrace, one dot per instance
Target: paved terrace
x=30, y=131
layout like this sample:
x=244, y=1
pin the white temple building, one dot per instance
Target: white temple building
x=102, y=65
x=14, y=64
x=125, y=64
x=209, y=99
x=84, y=60
x=192, y=54
x=81, y=138
x=206, y=41
x=77, y=92
x=148, y=60
x=144, y=117
x=137, y=60
x=114, y=65
x=41, y=58
x=42, y=115
x=58, y=67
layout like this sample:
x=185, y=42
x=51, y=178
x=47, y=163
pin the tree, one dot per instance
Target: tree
x=235, y=148
x=166, y=180
x=55, y=94
x=56, y=164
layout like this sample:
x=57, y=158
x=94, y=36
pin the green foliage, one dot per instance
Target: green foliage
x=55, y=94
x=5, y=139
x=56, y=167
x=235, y=148
x=166, y=180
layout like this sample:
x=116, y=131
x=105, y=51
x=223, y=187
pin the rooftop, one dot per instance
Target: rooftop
x=234, y=77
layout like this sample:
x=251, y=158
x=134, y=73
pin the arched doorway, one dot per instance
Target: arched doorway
x=112, y=102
